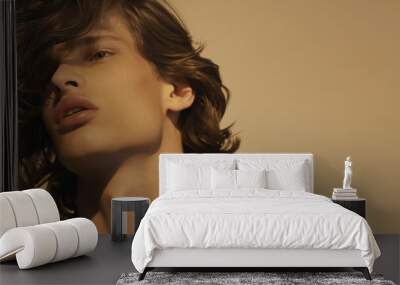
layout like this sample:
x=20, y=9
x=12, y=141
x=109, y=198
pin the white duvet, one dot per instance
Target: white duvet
x=251, y=218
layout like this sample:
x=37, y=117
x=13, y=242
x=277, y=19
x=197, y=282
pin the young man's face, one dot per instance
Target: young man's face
x=105, y=67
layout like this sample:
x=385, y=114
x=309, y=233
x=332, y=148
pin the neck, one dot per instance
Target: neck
x=135, y=175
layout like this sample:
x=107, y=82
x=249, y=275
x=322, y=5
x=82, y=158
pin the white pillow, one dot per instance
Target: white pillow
x=181, y=177
x=236, y=179
x=282, y=174
x=184, y=173
x=251, y=178
x=290, y=179
x=223, y=179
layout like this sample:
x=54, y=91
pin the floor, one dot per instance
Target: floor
x=389, y=262
x=102, y=266
x=110, y=260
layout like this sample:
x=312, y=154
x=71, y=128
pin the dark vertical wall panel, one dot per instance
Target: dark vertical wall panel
x=8, y=98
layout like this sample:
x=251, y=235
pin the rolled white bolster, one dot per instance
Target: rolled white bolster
x=23, y=208
x=87, y=234
x=33, y=246
x=40, y=244
x=67, y=240
x=7, y=218
x=45, y=206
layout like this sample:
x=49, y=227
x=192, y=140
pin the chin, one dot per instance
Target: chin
x=83, y=150
x=80, y=155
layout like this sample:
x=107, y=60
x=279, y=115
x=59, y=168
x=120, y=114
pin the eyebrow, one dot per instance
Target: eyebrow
x=87, y=41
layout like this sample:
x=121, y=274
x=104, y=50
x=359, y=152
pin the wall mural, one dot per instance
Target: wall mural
x=104, y=88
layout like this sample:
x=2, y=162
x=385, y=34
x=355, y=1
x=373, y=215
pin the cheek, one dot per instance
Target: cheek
x=139, y=120
x=133, y=113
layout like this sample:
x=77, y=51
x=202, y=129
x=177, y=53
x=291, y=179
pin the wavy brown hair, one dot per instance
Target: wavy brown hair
x=161, y=38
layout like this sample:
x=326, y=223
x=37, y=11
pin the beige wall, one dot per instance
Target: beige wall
x=319, y=76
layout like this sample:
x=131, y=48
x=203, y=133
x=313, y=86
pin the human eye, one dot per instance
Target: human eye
x=99, y=55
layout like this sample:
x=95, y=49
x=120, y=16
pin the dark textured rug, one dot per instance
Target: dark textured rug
x=231, y=278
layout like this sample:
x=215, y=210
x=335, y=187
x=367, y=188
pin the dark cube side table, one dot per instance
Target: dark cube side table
x=357, y=205
x=119, y=208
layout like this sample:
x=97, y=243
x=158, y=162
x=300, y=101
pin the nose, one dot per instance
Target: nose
x=66, y=79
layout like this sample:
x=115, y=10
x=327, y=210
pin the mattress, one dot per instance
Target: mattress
x=250, y=218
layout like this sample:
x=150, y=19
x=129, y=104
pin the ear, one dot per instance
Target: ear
x=182, y=97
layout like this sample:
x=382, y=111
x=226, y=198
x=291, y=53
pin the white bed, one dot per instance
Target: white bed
x=249, y=227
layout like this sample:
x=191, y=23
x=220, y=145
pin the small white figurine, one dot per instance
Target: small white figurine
x=347, y=173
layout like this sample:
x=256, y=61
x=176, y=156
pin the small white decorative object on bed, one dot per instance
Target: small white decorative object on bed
x=251, y=178
x=232, y=180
